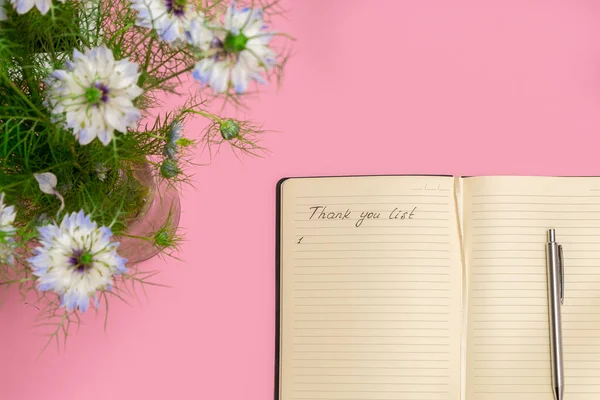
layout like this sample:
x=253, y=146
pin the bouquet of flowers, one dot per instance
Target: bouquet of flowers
x=90, y=164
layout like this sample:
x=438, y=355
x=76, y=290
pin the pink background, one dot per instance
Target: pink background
x=375, y=87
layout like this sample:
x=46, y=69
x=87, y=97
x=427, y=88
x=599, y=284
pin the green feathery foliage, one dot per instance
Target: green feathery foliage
x=105, y=181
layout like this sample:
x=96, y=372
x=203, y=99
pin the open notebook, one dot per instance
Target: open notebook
x=434, y=288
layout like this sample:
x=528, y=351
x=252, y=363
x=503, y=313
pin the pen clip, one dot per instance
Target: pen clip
x=561, y=265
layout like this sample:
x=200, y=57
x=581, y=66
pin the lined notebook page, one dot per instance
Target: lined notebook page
x=370, y=309
x=506, y=220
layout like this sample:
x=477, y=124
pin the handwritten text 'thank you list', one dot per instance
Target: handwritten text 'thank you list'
x=323, y=213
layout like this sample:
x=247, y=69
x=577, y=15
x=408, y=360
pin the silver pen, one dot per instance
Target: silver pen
x=556, y=292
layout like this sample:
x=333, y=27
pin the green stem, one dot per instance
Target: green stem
x=168, y=78
x=23, y=280
x=166, y=61
x=144, y=75
x=134, y=47
x=155, y=136
x=98, y=12
x=26, y=99
x=249, y=17
x=27, y=63
x=204, y=114
x=44, y=170
x=135, y=237
x=21, y=117
x=271, y=34
x=75, y=156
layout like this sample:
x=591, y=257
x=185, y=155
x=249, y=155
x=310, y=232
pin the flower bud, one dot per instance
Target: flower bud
x=169, y=168
x=229, y=129
x=163, y=239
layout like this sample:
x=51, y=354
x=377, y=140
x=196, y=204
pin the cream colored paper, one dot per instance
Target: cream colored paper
x=370, y=312
x=506, y=219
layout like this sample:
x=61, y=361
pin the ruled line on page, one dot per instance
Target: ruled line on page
x=554, y=203
x=371, y=250
x=494, y=211
x=376, y=204
x=377, y=208
x=379, y=195
x=370, y=227
x=503, y=218
x=324, y=221
x=373, y=234
x=364, y=375
x=531, y=195
x=378, y=242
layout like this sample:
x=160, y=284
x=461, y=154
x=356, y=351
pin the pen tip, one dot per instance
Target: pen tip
x=551, y=235
x=559, y=393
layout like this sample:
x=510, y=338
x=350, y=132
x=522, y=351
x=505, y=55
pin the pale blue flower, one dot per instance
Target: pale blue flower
x=76, y=260
x=7, y=231
x=175, y=21
x=23, y=6
x=95, y=95
x=240, y=52
x=3, y=15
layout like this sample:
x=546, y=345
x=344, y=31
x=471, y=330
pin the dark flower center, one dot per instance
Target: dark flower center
x=216, y=43
x=81, y=260
x=230, y=47
x=97, y=93
x=176, y=7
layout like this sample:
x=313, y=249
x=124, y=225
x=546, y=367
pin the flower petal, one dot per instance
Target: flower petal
x=47, y=182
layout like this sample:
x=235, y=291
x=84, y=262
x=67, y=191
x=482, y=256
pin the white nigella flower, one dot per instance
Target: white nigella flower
x=3, y=10
x=7, y=230
x=23, y=6
x=240, y=54
x=96, y=94
x=175, y=21
x=76, y=260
